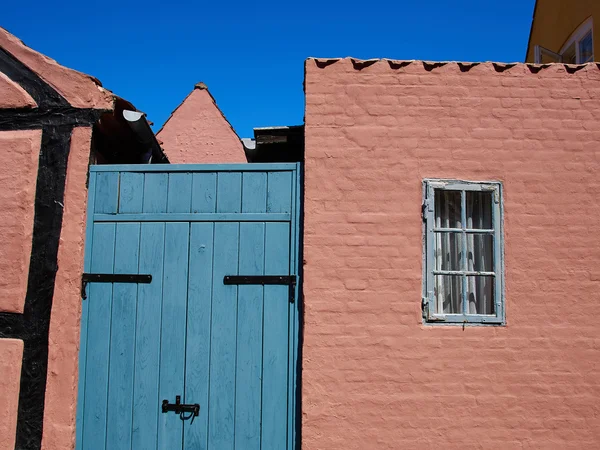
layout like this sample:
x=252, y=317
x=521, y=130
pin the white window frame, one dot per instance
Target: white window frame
x=431, y=314
x=582, y=31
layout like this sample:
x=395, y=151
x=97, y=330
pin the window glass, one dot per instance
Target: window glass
x=480, y=295
x=447, y=209
x=586, y=48
x=448, y=292
x=448, y=251
x=479, y=210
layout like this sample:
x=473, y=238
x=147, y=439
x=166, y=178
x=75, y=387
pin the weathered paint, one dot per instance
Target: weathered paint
x=374, y=376
x=11, y=354
x=198, y=132
x=80, y=90
x=12, y=95
x=18, y=172
x=555, y=21
x=61, y=385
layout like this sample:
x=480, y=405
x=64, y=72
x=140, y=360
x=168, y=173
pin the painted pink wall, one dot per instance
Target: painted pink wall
x=11, y=355
x=198, y=132
x=18, y=173
x=12, y=95
x=63, y=351
x=80, y=90
x=374, y=376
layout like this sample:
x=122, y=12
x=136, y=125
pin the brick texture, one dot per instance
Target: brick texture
x=376, y=377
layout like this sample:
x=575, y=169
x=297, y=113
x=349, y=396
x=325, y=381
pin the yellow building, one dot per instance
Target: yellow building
x=564, y=31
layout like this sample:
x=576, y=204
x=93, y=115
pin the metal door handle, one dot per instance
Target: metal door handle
x=181, y=408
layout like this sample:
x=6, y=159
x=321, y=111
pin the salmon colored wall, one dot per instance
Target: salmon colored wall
x=556, y=20
x=198, y=132
x=12, y=95
x=63, y=352
x=80, y=90
x=18, y=172
x=376, y=377
x=11, y=354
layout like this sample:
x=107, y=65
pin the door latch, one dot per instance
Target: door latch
x=181, y=408
x=287, y=280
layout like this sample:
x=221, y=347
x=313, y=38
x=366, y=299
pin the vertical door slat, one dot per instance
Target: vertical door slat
x=179, y=197
x=199, y=332
x=223, y=339
x=254, y=192
x=99, y=309
x=229, y=192
x=172, y=345
x=249, y=339
x=107, y=192
x=155, y=192
x=275, y=341
x=204, y=192
x=131, y=192
x=122, y=339
x=147, y=339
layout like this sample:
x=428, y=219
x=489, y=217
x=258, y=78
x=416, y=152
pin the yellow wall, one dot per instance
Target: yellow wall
x=555, y=20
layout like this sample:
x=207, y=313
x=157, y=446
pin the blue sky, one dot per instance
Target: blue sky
x=251, y=54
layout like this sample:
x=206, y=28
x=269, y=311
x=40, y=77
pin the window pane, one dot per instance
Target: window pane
x=447, y=209
x=479, y=210
x=480, y=252
x=569, y=55
x=480, y=295
x=448, y=251
x=448, y=294
x=586, y=48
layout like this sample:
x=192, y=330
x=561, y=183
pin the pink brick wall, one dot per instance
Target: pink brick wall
x=375, y=377
x=197, y=132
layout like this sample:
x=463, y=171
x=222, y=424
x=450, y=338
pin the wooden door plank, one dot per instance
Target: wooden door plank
x=199, y=332
x=98, y=342
x=254, y=192
x=204, y=192
x=275, y=340
x=107, y=193
x=131, y=192
x=147, y=340
x=279, y=196
x=249, y=339
x=229, y=192
x=155, y=192
x=223, y=338
x=172, y=346
x=122, y=336
x=179, y=196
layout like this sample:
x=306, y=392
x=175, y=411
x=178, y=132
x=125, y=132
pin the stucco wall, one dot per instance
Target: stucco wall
x=11, y=354
x=19, y=152
x=374, y=376
x=556, y=20
x=198, y=132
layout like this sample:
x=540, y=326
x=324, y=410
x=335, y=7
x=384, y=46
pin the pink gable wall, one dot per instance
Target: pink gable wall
x=80, y=90
x=12, y=95
x=376, y=377
x=198, y=132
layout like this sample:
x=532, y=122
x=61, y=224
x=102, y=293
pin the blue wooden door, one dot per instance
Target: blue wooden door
x=229, y=348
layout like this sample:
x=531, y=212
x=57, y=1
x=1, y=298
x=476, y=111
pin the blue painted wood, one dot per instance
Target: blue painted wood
x=249, y=339
x=279, y=195
x=96, y=367
x=199, y=332
x=204, y=192
x=198, y=217
x=122, y=338
x=179, y=193
x=87, y=267
x=223, y=339
x=173, y=330
x=170, y=168
x=131, y=192
x=147, y=338
x=229, y=192
x=254, y=192
x=275, y=340
x=231, y=349
x=107, y=193
x=155, y=193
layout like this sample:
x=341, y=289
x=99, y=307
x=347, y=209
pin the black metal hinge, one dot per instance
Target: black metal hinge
x=111, y=278
x=287, y=280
